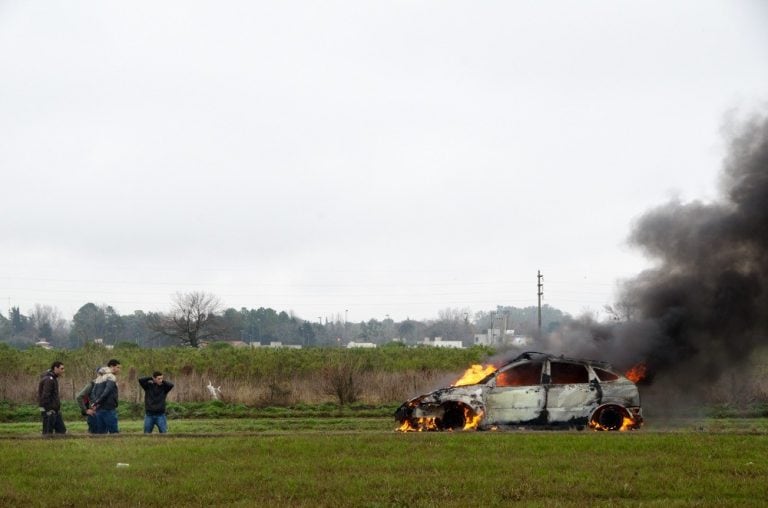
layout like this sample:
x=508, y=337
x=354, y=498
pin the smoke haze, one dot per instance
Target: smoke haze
x=702, y=308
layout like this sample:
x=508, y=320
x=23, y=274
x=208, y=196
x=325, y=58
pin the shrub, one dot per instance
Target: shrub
x=342, y=379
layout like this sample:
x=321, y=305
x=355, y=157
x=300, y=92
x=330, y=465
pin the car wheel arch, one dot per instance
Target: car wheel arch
x=609, y=416
x=457, y=414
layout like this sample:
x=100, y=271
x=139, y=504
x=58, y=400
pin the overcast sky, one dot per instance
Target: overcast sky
x=356, y=159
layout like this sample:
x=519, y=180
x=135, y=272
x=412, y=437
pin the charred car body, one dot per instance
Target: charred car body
x=533, y=390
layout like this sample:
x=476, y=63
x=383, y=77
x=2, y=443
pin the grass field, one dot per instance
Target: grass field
x=361, y=462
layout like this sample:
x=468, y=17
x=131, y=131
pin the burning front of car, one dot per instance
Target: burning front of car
x=445, y=409
x=534, y=390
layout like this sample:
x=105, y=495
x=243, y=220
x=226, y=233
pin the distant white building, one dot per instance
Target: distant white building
x=496, y=338
x=353, y=344
x=277, y=344
x=491, y=338
x=100, y=342
x=439, y=342
x=43, y=344
x=521, y=341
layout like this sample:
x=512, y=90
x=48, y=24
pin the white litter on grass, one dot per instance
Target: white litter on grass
x=215, y=391
x=122, y=464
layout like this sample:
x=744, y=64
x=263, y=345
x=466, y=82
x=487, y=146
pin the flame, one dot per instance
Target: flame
x=471, y=421
x=474, y=375
x=636, y=373
x=626, y=424
x=418, y=425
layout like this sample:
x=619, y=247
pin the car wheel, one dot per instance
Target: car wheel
x=453, y=417
x=609, y=417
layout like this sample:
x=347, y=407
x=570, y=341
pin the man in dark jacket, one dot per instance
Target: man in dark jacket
x=49, y=401
x=155, y=390
x=104, y=399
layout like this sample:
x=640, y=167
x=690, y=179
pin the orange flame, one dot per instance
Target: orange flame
x=474, y=375
x=471, y=421
x=418, y=425
x=626, y=424
x=636, y=373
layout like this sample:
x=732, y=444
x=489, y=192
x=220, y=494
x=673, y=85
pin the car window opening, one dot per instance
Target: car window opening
x=604, y=375
x=567, y=373
x=527, y=374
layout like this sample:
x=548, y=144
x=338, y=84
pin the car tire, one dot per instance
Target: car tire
x=610, y=417
x=453, y=417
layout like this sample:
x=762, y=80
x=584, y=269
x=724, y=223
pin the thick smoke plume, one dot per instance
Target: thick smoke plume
x=703, y=307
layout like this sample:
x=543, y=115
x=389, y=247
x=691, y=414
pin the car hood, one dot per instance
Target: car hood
x=471, y=395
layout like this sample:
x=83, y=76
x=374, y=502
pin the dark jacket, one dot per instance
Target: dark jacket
x=83, y=398
x=104, y=393
x=154, y=395
x=48, y=392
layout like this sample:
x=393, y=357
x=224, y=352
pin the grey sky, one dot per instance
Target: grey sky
x=381, y=158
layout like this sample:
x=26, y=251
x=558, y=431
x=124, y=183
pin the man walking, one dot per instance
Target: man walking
x=49, y=401
x=83, y=399
x=156, y=389
x=105, y=398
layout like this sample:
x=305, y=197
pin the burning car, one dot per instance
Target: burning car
x=533, y=390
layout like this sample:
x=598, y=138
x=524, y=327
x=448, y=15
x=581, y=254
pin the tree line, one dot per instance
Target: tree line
x=197, y=318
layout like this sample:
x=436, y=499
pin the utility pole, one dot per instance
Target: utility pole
x=540, y=284
x=506, y=323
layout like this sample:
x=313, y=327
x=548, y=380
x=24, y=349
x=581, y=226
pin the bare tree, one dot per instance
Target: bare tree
x=193, y=319
x=48, y=323
x=623, y=310
x=452, y=324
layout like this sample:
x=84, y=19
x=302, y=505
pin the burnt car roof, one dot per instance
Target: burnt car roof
x=538, y=356
x=535, y=355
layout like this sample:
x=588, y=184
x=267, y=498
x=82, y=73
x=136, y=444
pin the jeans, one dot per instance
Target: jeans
x=92, y=424
x=106, y=421
x=53, y=423
x=151, y=420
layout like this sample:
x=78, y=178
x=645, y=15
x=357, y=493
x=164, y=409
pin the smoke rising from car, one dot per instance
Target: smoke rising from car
x=702, y=307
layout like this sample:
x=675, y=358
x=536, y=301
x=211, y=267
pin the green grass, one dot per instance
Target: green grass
x=335, y=462
x=78, y=428
x=16, y=413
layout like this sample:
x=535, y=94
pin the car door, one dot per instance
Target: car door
x=570, y=395
x=516, y=395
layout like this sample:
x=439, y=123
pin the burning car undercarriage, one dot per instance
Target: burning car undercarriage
x=535, y=390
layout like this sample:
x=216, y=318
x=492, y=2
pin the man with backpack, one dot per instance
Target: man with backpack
x=83, y=399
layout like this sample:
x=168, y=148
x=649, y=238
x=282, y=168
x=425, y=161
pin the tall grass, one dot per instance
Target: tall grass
x=284, y=377
x=261, y=377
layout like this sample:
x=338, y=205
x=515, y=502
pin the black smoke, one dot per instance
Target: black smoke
x=703, y=307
